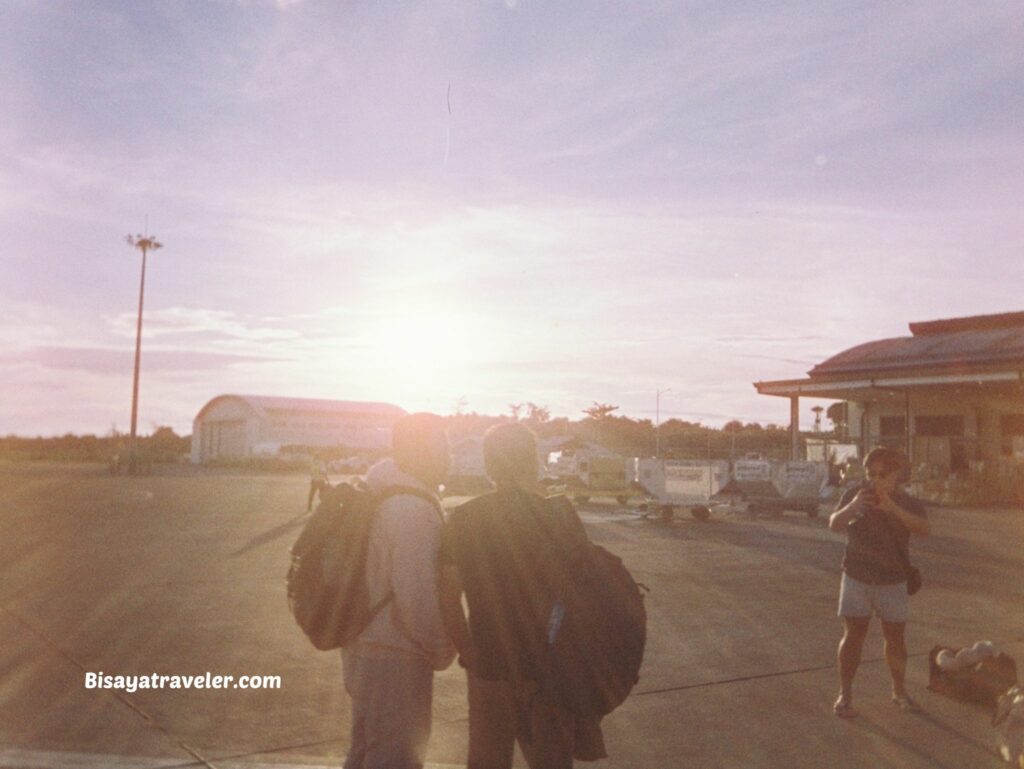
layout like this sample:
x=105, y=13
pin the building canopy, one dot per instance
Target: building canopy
x=958, y=354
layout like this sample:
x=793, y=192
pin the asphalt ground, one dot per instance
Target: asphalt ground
x=182, y=573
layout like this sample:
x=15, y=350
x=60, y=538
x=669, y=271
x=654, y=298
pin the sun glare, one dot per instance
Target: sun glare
x=425, y=342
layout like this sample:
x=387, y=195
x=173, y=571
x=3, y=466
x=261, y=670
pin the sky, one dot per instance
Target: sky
x=463, y=205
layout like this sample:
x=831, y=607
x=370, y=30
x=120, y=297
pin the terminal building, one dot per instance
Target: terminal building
x=950, y=395
x=239, y=426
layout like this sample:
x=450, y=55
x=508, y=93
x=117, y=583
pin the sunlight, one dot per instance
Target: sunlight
x=425, y=342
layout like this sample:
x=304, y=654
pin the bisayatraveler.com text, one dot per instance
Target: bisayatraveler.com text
x=132, y=683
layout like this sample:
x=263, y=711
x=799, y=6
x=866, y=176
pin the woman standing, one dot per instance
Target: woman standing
x=878, y=519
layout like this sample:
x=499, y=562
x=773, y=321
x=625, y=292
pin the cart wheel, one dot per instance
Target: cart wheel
x=700, y=512
x=622, y=499
x=812, y=511
x=668, y=513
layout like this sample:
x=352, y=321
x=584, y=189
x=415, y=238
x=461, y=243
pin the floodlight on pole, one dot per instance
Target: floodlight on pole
x=144, y=243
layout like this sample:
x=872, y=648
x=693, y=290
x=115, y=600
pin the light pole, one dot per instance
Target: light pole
x=144, y=243
x=657, y=421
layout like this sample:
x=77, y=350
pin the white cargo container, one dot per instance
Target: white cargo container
x=800, y=480
x=751, y=469
x=593, y=469
x=681, y=482
x=771, y=486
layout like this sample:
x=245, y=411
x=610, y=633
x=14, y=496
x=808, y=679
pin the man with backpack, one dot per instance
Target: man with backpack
x=508, y=551
x=389, y=666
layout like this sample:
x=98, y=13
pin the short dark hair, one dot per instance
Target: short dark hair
x=510, y=454
x=890, y=460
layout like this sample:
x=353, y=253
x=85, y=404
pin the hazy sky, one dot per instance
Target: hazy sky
x=492, y=202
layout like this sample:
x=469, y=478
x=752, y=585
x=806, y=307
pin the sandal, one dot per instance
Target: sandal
x=843, y=708
x=905, y=703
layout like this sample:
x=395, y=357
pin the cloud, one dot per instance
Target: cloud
x=280, y=5
x=109, y=361
x=27, y=323
x=809, y=362
x=769, y=338
x=212, y=324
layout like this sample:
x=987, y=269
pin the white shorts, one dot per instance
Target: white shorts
x=859, y=599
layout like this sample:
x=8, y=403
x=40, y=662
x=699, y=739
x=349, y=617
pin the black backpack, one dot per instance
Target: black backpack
x=327, y=590
x=595, y=629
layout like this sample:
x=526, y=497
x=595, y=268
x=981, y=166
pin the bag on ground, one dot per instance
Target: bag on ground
x=982, y=682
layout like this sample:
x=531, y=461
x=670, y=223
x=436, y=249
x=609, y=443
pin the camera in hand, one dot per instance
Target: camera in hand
x=872, y=499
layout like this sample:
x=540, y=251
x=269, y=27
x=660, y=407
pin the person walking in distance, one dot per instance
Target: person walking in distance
x=878, y=519
x=317, y=480
x=389, y=668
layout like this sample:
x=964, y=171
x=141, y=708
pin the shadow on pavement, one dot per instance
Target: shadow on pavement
x=929, y=758
x=271, y=534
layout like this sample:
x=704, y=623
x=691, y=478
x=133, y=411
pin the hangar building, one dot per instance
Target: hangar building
x=950, y=395
x=236, y=426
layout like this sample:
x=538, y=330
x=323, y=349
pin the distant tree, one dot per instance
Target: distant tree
x=600, y=411
x=537, y=414
x=679, y=425
x=552, y=428
x=164, y=437
x=515, y=409
x=165, y=445
x=460, y=426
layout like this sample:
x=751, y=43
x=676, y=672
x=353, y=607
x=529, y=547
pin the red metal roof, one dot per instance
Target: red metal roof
x=961, y=343
x=969, y=323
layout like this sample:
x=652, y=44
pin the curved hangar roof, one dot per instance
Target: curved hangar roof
x=261, y=404
x=981, y=340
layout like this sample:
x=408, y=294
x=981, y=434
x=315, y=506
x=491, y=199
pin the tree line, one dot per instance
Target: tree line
x=163, y=445
x=674, y=438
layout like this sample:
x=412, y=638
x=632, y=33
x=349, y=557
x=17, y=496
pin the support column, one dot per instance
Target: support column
x=865, y=428
x=909, y=427
x=794, y=427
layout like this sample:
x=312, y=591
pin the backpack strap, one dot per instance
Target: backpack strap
x=567, y=519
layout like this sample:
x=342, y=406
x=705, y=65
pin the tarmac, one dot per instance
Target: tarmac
x=182, y=573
